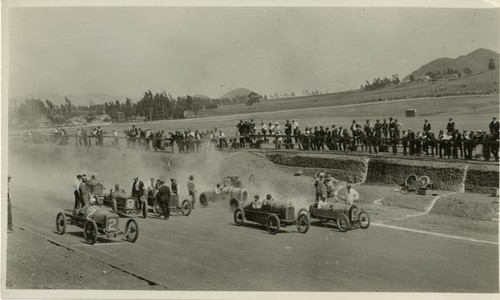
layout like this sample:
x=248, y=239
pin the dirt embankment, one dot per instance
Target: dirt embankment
x=446, y=176
x=345, y=168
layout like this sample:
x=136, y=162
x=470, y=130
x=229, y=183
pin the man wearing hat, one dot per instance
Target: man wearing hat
x=163, y=197
x=192, y=190
x=174, y=187
x=84, y=191
x=138, y=192
x=350, y=195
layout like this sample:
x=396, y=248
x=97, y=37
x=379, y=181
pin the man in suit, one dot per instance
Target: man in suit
x=192, y=190
x=450, y=127
x=494, y=127
x=427, y=126
x=138, y=192
x=163, y=196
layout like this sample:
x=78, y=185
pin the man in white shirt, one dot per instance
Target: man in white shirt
x=256, y=204
x=351, y=195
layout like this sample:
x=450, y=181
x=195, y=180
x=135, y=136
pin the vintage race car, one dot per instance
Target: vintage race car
x=229, y=190
x=274, y=215
x=183, y=208
x=97, y=222
x=125, y=204
x=345, y=216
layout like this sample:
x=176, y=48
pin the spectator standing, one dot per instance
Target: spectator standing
x=10, y=227
x=192, y=190
x=427, y=126
x=450, y=127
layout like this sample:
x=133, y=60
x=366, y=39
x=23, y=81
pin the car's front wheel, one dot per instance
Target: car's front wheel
x=186, y=208
x=343, y=223
x=364, y=220
x=303, y=222
x=90, y=232
x=131, y=231
x=273, y=224
x=61, y=223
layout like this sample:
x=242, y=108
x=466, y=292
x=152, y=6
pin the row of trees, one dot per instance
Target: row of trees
x=378, y=82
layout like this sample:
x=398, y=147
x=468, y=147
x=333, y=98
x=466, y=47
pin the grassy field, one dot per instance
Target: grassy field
x=436, y=110
x=473, y=83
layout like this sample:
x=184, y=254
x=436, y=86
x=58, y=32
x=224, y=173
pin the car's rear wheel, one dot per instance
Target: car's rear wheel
x=411, y=181
x=131, y=231
x=239, y=217
x=186, y=208
x=61, y=223
x=424, y=181
x=203, y=200
x=303, y=221
x=364, y=220
x=90, y=232
x=343, y=223
x=157, y=208
x=273, y=224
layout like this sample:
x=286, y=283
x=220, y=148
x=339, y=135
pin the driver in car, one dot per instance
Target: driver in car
x=256, y=203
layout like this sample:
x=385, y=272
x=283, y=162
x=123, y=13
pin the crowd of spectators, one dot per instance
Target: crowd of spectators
x=388, y=135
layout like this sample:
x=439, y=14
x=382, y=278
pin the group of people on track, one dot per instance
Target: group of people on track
x=86, y=191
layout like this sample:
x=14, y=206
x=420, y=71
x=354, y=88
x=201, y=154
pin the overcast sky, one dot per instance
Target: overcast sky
x=125, y=51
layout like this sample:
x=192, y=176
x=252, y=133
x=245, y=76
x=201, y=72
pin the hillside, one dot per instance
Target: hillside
x=477, y=61
x=236, y=93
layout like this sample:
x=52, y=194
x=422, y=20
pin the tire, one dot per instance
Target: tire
x=131, y=231
x=234, y=204
x=273, y=224
x=186, y=208
x=343, y=223
x=239, y=217
x=303, y=222
x=364, y=220
x=424, y=181
x=411, y=181
x=61, y=223
x=90, y=232
x=157, y=208
x=203, y=200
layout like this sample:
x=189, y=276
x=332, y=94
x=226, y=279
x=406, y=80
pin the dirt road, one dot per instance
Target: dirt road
x=205, y=251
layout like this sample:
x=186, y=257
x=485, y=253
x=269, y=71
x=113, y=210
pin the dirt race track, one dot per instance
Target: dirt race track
x=205, y=251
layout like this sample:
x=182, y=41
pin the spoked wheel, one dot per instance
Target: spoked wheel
x=424, y=181
x=303, y=222
x=364, y=220
x=239, y=217
x=157, y=208
x=61, y=223
x=343, y=223
x=203, y=200
x=273, y=224
x=90, y=232
x=411, y=181
x=131, y=231
x=186, y=208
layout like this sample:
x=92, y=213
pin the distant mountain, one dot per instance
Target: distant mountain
x=477, y=61
x=236, y=93
x=96, y=98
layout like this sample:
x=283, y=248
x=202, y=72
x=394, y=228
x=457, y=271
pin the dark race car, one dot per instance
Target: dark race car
x=343, y=215
x=96, y=222
x=176, y=207
x=274, y=216
x=125, y=203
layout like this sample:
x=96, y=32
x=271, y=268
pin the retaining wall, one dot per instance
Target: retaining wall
x=447, y=176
